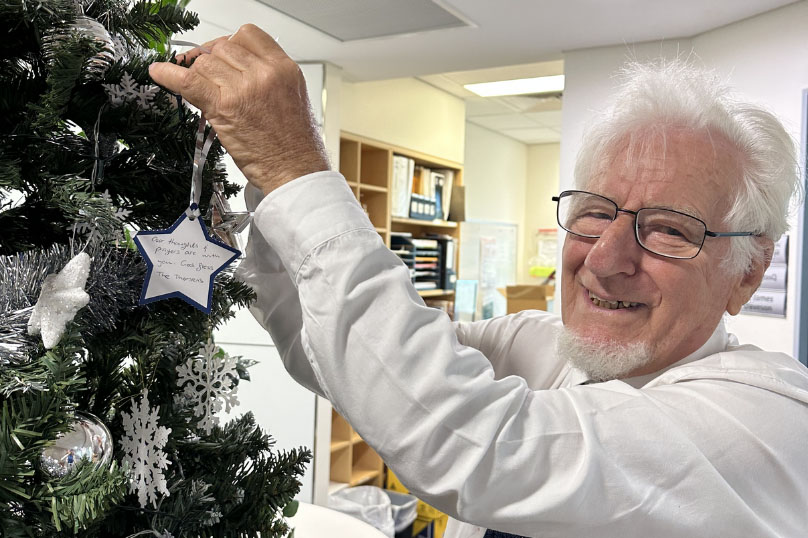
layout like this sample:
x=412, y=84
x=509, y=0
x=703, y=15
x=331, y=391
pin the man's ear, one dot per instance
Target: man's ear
x=751, y=280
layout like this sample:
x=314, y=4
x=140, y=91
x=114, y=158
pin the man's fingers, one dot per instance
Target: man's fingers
x=257, y=41
x=168, y=75
x=236, y=56
x=202, y=49
x=195, y=88
x=216, y=69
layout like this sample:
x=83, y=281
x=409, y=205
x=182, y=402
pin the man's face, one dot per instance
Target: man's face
x=681, y=301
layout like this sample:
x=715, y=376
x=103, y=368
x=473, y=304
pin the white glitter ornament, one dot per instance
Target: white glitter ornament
x=129, y=91
x=143, y=443
x=208, y=381
x=62, y=296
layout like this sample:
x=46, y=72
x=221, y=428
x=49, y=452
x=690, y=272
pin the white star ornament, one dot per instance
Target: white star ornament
x=62, y=296
x=183, y=262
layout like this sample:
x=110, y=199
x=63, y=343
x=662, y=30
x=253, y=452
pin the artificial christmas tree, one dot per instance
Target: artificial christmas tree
x=108, y=423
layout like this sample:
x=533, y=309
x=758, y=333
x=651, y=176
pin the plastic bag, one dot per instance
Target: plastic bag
x=404, y=509
x=368, y=503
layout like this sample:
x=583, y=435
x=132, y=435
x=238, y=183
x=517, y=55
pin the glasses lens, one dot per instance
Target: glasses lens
x=585, y=214
x=670, y=233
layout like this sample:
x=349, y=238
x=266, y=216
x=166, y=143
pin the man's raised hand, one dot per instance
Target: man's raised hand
x=255, y=97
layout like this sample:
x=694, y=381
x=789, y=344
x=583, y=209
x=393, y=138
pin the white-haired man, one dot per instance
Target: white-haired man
x=639, y=415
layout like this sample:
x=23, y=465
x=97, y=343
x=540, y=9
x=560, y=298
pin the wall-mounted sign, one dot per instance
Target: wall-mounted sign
x=770, y=298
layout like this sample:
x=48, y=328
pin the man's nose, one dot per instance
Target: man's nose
x=617, y=250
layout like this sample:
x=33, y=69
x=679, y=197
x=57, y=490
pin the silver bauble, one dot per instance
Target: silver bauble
x=88, y=27
x=88, y=440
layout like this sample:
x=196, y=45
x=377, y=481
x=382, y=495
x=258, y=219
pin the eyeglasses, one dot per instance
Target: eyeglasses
x=665, y=232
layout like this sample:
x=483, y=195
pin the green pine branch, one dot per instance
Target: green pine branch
x=85, y=495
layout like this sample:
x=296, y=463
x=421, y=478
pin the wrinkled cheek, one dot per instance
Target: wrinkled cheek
x=572, y=258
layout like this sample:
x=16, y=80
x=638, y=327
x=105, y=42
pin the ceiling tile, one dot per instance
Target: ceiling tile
x=532, y=103
x=349, y=20
x=485, y=106
x=549, y=118
x=499, y=122
x=509, y=72
x=533, y=136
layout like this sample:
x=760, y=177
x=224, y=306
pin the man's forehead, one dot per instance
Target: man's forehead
x=691, y=172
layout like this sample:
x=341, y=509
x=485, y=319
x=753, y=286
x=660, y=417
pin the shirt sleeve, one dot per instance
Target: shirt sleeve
x=605, y=458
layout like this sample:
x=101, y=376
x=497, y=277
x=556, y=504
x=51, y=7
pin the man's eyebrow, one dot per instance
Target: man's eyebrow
x=679, y=209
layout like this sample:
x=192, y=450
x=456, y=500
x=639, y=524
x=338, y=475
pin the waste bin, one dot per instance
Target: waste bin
x=368, y=503
x=404, y=512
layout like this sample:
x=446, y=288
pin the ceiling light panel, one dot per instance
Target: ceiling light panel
x=349, y=20
x=521, y=86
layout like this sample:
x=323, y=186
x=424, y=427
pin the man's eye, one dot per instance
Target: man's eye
x=667, y=230
x=597, y=215
x=662, y=230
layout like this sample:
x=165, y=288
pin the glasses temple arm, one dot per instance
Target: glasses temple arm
x=729, y=234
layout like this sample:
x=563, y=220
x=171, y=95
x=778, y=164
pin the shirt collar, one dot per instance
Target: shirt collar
x=717, y=343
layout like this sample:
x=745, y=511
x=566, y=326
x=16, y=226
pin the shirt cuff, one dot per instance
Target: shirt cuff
x=302, y=214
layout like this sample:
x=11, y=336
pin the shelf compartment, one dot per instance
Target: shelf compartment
x=364, y=476
x=367, y=465
x=436, y=293
x=342, y=464
x=376, y=165
x=424, y=223
x=349, y=160
x=377, y=205
x=340, y=429
x=374, y=188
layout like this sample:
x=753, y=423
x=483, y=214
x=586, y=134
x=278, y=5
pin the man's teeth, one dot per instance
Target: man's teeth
x=612, y=305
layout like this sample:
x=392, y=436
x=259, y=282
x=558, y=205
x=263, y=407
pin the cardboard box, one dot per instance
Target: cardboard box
x=527, y=297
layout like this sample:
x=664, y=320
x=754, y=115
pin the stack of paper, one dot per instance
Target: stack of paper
x=403, y=170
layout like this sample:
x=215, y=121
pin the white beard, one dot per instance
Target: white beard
x=601, y=361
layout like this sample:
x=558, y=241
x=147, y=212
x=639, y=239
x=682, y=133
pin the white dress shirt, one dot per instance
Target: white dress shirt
x=712, y=446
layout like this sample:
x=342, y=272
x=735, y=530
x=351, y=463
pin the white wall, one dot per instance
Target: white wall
x=541, y=186
x=764, y=57
x=405, y=112
x=495, y=176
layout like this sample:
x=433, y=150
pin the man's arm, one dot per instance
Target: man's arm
x=494, y=452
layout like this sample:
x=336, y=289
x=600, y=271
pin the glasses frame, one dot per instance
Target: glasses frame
x=618, y=210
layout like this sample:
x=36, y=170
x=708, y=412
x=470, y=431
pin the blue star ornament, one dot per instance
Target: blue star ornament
x=182, y=261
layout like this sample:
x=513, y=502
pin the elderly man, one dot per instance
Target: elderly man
x=638, y=415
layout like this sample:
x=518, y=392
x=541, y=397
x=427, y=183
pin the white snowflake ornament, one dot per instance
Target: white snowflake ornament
x=208, y=381
x=129, y=91
x=89, y=229
x=143, y=443
x=62, y=296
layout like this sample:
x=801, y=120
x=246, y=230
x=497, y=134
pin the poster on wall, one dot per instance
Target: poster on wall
x=488, y=255
x=770, y=298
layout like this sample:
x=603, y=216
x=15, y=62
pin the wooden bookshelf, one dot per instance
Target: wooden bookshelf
x=367, y=165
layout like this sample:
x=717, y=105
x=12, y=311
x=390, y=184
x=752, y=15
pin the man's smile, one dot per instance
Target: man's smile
x=611, y=305
x=607, y=302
